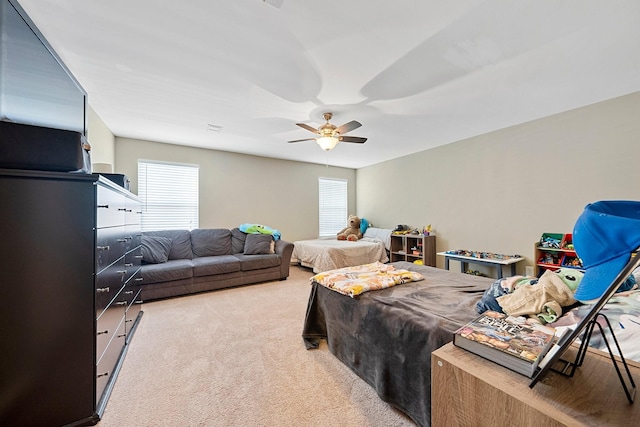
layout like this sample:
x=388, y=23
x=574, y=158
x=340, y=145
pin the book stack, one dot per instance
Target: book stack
x=509, y=341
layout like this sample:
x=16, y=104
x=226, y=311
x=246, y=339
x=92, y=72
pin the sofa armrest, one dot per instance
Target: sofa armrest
x=285, y=250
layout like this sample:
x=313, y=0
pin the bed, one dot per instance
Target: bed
x=330, y=254
x=386, y=336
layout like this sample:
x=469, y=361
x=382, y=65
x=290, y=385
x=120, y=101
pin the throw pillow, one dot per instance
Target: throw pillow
x=155, y=249
x=258, y=244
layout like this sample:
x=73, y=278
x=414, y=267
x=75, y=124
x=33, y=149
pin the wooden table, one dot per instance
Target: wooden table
x=467, y=390
x=493, y=262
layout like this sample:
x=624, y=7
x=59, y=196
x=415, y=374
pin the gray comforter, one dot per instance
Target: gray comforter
x=386, y=337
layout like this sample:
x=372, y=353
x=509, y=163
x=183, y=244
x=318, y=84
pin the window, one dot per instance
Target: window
x=333, y=206
x=169, y=194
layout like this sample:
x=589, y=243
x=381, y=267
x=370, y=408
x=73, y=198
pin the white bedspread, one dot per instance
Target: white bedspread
x=330, y=254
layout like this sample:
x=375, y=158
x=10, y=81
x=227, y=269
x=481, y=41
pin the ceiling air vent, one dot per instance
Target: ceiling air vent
x=274, y=3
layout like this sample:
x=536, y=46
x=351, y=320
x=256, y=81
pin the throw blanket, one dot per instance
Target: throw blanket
x=259, y=229
x=353, y=281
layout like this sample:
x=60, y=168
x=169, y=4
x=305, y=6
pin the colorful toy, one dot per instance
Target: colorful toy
x=352, y=231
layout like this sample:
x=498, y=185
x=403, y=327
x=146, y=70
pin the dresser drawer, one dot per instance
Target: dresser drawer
x=133, y=212
x=105, y=366
x=111, y=208
x=129, y=294
x=133, y=238
x=108, y=283
x=130, y=268
x=132, y=314
x=111, y=244
x=134, y=235
x=133, y=258
x=136, y=281
x=108, y=327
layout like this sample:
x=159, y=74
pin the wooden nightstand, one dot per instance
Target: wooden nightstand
x=467, y=390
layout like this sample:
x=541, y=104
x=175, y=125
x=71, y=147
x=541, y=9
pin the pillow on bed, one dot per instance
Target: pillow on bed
x=259, y=244
x=364, y=224
x=155, y=249
x=383, y=234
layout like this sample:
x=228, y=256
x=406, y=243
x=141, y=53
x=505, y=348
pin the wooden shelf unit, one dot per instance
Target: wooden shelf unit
x=412, y=247
x=552, y=258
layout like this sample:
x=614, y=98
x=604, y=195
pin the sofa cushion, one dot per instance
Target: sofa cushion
x=257, y=262
x=237, y=241
x=211, y=242
x=180, y=242
x=155, y=249
x=212, y=265
x=258, y=244
x=168, y=271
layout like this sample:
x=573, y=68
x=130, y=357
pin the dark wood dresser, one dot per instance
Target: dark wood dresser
x=70, y=277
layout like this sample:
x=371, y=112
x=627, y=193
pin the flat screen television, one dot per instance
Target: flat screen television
x=36, y=88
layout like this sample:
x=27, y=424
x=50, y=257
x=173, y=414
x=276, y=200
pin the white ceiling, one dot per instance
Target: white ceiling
x=416, y=73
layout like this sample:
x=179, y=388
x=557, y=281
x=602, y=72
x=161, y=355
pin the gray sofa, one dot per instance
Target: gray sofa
x=181, y=262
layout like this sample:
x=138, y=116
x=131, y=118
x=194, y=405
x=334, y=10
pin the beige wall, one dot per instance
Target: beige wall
x=237, y=188
x=497, y=192
x=101, y=139
x=500, y=191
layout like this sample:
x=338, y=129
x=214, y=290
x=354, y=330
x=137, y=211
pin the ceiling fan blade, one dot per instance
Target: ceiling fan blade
x=307, y=127
x=348, y=127
x=300, y=140
x=356, y=139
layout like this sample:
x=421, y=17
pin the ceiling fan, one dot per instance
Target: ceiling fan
x=329, y=135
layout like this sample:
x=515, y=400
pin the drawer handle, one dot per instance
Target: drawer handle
x=122, y=209
x=123, y=272
x=103, y=332
x=138, y=302
x=106, y=374
x=128, y=292
x=122, y=335
x=103, y=206
x=128, y=321
x=121, y=240
x=120, y=303
x=129, y=264
x=139, y=279
x=129, y=210
x=100, y=290
x=103, y=248
x=138, y=256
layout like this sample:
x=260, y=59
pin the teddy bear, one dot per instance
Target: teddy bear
x=352, y=232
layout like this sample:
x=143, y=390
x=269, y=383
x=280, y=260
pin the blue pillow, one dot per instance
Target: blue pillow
x=364, y=224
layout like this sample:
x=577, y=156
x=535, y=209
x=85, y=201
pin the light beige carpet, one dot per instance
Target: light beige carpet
x=235, y=357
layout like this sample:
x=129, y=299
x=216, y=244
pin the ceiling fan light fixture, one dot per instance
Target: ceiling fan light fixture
x=328, y=135
x=327, y=142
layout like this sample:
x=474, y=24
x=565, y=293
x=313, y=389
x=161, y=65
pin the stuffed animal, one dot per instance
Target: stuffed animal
x=352, y=232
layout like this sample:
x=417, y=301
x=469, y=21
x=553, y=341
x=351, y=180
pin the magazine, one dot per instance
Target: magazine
x=513, y=342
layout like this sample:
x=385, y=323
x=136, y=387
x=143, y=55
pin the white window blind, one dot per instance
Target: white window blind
x=169, y=194
x=333, y=206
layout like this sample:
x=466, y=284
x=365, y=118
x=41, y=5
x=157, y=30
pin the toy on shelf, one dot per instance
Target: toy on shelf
x=481, y=255
x=550, y=242
x=555, y=250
